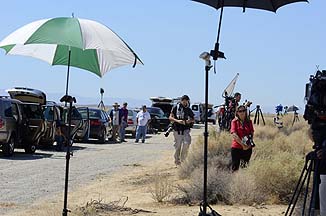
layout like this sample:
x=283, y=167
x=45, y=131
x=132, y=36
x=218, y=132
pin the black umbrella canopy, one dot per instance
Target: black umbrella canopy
x=269, y=5
x=292, y=108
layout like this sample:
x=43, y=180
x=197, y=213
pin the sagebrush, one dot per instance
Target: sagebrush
x=270, y=177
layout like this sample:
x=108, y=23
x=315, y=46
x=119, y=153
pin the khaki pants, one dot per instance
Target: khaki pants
x=182, y=141
x=115, y=132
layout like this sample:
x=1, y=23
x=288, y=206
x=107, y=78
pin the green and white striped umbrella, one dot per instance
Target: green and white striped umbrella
x=91, y=45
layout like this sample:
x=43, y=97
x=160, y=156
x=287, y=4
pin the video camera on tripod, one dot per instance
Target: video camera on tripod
x=315, y=110
x=315, y=114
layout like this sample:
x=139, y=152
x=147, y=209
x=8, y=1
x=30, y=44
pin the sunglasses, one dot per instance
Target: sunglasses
x=240, y=111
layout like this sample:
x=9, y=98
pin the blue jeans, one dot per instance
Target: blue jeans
x=123, y=130
x=141, y=132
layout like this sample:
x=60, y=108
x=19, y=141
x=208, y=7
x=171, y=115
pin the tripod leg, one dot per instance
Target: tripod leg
x=258, y=117
x=262, y=117
x=293, y=121
x=307, y=189
x=297, y=191
x=314, y=189
x=255, y=117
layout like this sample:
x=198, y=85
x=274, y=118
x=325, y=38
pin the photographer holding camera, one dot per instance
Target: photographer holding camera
x=242, y=132
x=182, y=118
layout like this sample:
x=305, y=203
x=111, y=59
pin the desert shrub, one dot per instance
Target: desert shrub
x=244, y=189
x=161, y=188
x=271, y=175
x=217, y=180
x=277, y=176
x=266, y=133
x=218, y=154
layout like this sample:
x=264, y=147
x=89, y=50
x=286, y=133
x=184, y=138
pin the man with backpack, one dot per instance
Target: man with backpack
x=182, y=118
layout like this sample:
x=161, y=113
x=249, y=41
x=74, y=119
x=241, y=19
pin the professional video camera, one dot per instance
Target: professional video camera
x=315, y=110
x=247, y=103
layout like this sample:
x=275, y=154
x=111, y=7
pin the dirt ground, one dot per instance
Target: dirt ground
x=134, y=183
x=128, y=190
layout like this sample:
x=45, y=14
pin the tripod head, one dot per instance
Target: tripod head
x=257, y=106
x=68, y=99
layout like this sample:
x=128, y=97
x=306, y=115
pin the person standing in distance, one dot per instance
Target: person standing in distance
x=143, y=118
x=182, y=118
x=116, y=118
x=124, y=122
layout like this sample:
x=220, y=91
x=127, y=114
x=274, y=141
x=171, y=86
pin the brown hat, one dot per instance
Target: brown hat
x=115, y=104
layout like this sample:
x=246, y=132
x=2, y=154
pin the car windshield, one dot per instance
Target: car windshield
x=83, y=112
x=155, y=111
x=130, y=113
x=94, y=114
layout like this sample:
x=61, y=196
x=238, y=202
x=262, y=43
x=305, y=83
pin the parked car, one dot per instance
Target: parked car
x=159, y=122
x=10, y=124
x=164, y=103
x=76, y=121
x=51, y=112
x=100, y=124
x=199, y=114
x=33, y=124
x=132, y=124
x=83, y=132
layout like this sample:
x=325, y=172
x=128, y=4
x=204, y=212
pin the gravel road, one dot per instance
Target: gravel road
x=27, y=178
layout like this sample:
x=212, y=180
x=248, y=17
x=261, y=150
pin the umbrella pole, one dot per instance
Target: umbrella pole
x=68, y=71
x=70, y=100
x=215, y=54
x=207, y=68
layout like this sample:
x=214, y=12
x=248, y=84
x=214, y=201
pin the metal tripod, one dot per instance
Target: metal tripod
x=101, y=104
x=311, y=164
x=295, y=117
x=258, y=114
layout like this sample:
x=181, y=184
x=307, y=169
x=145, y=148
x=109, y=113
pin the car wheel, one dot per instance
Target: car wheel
x=30, y=148
x=102, y=139
x=9, y=148
x=133, y=134
x=214, y=122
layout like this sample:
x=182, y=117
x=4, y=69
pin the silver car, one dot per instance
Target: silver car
x=132, y=124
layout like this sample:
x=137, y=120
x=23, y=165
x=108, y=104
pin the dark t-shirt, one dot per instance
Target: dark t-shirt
x=182, y=113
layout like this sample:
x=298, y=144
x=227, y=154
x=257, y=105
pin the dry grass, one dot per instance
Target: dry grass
x=99, y=207
x=273, y=171
x=162, y=187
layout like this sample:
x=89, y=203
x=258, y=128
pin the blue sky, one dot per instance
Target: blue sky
x=274, y=53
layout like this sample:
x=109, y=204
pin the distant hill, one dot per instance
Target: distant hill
x=132, y=102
